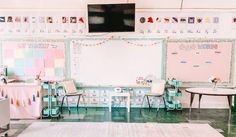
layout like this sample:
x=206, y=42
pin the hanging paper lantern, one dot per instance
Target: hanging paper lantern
x=33, y=98
x=37, y=94
x=29, y=101
x=17, y=103
x=12, y=102
x=23, y=103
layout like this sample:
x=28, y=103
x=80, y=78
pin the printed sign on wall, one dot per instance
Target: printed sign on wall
x=198, y=61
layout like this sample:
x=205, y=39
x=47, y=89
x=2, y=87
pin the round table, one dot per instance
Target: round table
x=211, y=92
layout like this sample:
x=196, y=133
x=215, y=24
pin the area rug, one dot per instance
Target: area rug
x=110, y=129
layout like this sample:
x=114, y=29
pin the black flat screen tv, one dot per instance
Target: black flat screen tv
x=111, y=17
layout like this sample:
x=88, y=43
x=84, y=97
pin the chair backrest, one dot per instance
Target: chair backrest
x=69, y=86
x=158, y=86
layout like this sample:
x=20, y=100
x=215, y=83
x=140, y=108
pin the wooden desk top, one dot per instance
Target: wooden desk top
x=211, y=91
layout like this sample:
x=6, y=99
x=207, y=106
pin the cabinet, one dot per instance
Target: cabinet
x=172, y=95
x=51, y=107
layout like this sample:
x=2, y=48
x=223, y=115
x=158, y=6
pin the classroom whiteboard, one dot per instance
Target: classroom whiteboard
x=28, y=58
x=115, y=61
x=195, y=61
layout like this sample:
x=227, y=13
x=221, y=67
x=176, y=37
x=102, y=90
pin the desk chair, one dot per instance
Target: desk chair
x=70, y=90
x=157, y=90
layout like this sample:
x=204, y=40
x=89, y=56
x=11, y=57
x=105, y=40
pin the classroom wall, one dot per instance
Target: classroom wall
x=152, y=7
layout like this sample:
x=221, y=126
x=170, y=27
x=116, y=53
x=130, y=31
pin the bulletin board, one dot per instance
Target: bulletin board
x=196, y=61
x=26, y=58
x=115, y=61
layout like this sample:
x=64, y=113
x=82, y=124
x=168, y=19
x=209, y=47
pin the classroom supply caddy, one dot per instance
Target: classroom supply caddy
x=51, y=106
x=171, y=95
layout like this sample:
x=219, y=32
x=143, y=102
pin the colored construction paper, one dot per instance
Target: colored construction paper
x=60, y=53
x=19, y=71
x=59, y=63
x=9, y=63
x=19, y=53
x=49, y=63
x=19, y=62
x=49, y=72
x=29, y=62
x=8, y=53
x=30, y=72
x=39, y=63
x=50, y=54
x=59, y=72
x=29, y=54
x=39, y=53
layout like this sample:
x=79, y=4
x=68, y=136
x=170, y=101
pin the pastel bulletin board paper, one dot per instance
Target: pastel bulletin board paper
x=197, y=61
x=115, y=61
x=28, y=58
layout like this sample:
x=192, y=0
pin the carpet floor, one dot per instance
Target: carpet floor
x=110, y=129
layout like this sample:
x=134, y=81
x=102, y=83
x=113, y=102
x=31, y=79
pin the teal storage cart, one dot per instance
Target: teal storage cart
x=171, y=94
x=51, y=107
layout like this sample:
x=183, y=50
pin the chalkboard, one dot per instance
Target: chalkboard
x=25, y=58
x=115, y=61
x=196, y=61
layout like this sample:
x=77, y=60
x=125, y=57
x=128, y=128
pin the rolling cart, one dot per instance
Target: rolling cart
x=51, y=107
x=171, y=94
x=4, y=117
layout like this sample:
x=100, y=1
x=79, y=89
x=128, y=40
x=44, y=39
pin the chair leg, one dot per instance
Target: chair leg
x=62, y=102
x=84, y=103
x=68, y=104
x=78, y=102
x=149, y=105
x=142, y=103
x=158, y=104
x=164, y=102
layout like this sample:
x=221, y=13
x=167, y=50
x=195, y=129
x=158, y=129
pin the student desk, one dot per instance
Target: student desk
x=120, y=94
x=24, y=98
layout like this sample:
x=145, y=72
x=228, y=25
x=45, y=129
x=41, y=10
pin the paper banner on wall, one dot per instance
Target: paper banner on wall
x=197, y=61
x=24, y=58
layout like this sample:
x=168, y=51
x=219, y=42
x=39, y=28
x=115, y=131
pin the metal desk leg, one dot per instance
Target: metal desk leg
x=230, y=103
x=191, y=102
x=110, y=102
x=128, y=103
x=229, y=116
x=199, y=102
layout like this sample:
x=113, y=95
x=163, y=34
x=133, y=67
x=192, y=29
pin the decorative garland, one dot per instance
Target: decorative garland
x=132, y=43
x=110, y=38
x=95, y=44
